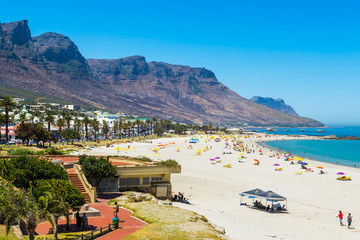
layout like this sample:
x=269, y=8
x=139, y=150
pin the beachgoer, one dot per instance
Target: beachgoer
x=78, y=219
x=84, y=221
x=116, y=210
x=340, y=216
x=349, y=220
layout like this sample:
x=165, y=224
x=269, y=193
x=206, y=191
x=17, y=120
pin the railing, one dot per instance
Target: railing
x=88, y=188
x=93, y=234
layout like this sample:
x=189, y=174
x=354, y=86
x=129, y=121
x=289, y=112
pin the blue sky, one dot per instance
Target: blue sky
x=306, y=52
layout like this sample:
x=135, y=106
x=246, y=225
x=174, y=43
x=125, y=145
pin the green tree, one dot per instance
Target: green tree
x=68, y=118
x=95, y=125
x=17, y=205
x=70, y=134
x=52, y=205
x=77, y=124
x=24, y=132
x=158, y=131
x=7, y=103
x=41, y=135
x=96, y=168
x=49, y=118
x=66, y=192
x=22, y=117
x=22, y=170
x=60, y=123
x=86, y=121
x=105, y=129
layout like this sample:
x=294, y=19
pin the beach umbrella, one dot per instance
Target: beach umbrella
x=320, y=167
x=276, y=164
x=298, y=158
x=340, y=173
x=241, y=154
x=260, y=150
x=256, y=160
x=212, y=159
x=217, y=158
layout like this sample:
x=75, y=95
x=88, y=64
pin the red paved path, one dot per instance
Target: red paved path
x=127, y=225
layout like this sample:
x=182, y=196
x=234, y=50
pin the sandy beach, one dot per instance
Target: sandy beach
x=313, y=199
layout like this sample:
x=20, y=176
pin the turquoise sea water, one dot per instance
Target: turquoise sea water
x=338, y=131
x=343, y=152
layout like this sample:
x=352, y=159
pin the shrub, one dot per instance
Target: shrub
x=53, y=151
x=21, y=151
x=168, y=163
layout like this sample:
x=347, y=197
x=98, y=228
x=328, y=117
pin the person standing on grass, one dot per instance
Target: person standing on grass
x=340, y=216
x=349, y=220
x=116, y=211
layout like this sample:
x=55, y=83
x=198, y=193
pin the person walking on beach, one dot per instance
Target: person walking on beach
x=116, y=210
x=349, y=220
x=340, y=216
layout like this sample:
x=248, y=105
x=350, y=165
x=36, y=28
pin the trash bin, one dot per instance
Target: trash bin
x=115, y=222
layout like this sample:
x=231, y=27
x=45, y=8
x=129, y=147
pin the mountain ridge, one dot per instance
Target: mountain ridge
x=278, y=104
x=52, y=64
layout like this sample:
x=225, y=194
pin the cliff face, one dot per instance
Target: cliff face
x=51, y=64
x=278, y=104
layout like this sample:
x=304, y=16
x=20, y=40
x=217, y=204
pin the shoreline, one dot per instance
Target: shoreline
x=263, y=144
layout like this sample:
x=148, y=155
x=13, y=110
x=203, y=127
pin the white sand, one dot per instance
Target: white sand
x=313, y=199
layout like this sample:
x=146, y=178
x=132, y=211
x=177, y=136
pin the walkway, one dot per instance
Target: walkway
x=127, y=225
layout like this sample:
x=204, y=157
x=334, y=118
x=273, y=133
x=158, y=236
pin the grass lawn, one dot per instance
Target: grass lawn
x=168, y=222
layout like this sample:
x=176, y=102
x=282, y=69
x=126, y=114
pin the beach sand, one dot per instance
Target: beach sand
x=313, y=200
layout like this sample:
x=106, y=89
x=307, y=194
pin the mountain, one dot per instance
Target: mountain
x=278, y=104
x=52, y=65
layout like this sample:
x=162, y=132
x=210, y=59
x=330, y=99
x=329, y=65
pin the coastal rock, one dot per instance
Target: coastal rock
x=52, y=65
x=278, y=104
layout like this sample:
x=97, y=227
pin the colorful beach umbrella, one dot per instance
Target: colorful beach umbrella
x=256, y=160
x=217, y=158
x=320, y=167
x=340, y=173
x=212, y=159
x=276, y=164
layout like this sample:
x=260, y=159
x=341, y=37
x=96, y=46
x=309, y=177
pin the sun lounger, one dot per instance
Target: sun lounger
x=278, y=169
x=298, y=173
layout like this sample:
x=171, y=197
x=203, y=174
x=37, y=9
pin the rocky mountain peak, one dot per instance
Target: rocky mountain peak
x=58, y=48
x=16, y=33
x=278, y=104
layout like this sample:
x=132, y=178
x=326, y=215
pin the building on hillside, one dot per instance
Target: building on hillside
x=108, y=118
x=144, y=178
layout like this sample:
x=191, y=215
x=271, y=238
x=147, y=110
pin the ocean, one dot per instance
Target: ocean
x=342, y=152
x=338, y=131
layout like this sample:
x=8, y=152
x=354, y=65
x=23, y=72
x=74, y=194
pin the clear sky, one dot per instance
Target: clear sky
x=306, y=52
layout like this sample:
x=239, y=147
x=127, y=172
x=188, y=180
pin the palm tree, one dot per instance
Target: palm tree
x=95, y=125
x=68, y=117
x=7, y=103
x=115, y=127
x=77, y=124
x=120, y=126
x=148, y=122
x=52, y=207
x=154, y=124
x=138, y=123
x=60, y=123
x=126, y=126
x=105, y=129
x=86, y=121
x=49, y=118
x=22, y=117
